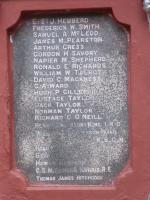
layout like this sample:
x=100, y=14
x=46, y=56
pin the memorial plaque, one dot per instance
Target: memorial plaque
x=70, y=99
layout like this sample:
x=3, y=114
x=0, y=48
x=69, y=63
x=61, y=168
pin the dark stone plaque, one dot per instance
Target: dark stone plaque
x=70, y=99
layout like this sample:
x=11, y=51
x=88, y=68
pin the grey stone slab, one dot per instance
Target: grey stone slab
x=70, y=99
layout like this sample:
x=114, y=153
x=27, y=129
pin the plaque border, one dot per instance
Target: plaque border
x=14, y=28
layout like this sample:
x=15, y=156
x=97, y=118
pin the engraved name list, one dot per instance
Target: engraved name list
x=70, y=99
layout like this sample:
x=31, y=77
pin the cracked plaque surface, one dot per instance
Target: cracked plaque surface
x=70, y=99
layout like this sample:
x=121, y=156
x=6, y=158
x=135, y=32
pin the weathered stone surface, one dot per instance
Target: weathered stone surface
x=70, y=94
